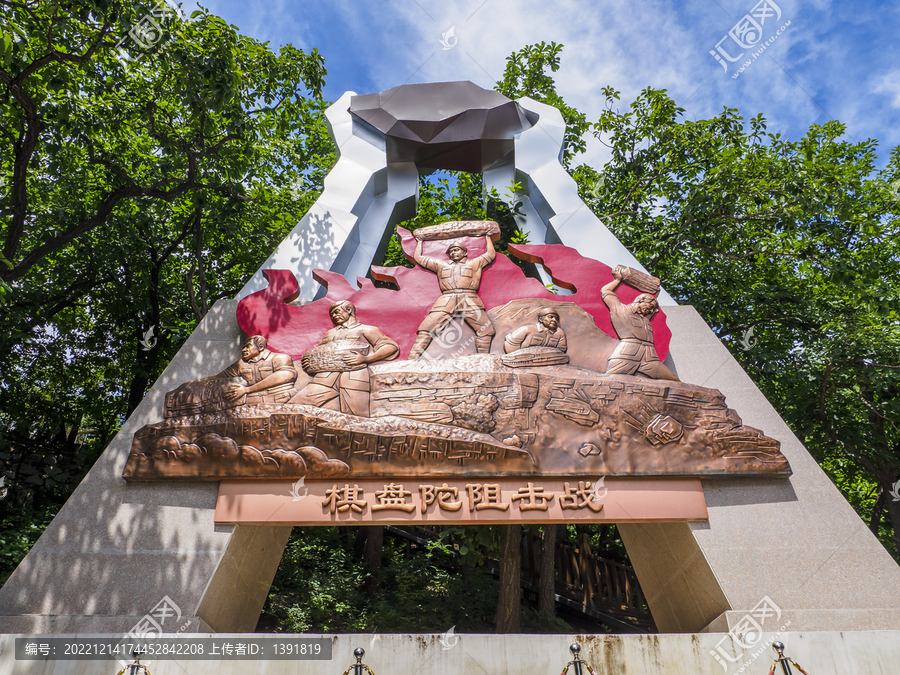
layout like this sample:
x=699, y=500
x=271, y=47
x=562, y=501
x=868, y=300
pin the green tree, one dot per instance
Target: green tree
x=525, y=76
x=790, y=249
x=138, y=189
x=457, y=195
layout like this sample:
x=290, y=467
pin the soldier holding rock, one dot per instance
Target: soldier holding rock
x=339, y=363
x=459, y=280
x=635, y=354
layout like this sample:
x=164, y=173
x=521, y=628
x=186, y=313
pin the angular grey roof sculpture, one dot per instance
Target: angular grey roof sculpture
x=385, y=140
x=444, y=125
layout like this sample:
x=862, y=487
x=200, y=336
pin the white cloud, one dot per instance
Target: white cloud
x=621, y=44
x=819, y=67
x=890, y=85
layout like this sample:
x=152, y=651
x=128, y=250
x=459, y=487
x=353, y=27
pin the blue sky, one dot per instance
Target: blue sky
x=830, y=61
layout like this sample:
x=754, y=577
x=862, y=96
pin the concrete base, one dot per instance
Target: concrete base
x=813, y=620
x=115, y=550
x=828, y=653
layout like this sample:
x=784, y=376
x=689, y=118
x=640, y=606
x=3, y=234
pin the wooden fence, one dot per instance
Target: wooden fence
x=584, y=581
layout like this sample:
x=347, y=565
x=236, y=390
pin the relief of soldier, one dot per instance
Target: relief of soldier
x=635, y=354
x=260, y=376
x=269, y=376
x=459, y=280
x=339, y=364
x=546, y=333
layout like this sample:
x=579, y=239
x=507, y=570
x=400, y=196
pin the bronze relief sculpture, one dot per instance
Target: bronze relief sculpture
x=556, y=397
x=459, y=279
x=260, y=376
x=340, y=363
x=635, y=354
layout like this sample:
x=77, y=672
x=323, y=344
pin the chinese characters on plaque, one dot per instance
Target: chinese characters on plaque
x=479, y=496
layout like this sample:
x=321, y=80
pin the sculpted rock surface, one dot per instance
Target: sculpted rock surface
x=469, y=416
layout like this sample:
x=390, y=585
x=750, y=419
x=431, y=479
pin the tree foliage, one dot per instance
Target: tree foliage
x=138, y=189
x=457, y=195
x=525, y=75
x=790, y=249
x=320, y=586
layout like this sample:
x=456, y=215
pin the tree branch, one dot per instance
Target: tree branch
x=34, y=128
x=62, y=57
x=103, y=212
x=874, y=411
x=185, y=230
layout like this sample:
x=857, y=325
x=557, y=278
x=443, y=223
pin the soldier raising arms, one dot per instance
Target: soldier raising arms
x=635, y=353
x=459, y=279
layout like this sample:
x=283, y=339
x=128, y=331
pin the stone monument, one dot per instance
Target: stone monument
x=314, y=373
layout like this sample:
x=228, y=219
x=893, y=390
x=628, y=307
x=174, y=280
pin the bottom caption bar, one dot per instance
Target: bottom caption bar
x=100, y=649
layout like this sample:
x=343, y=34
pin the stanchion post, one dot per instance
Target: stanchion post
x=576, y=663
x=782, y=659
x=785, y=661
x=359, y=668
x=575, y=648
x=136, y=668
